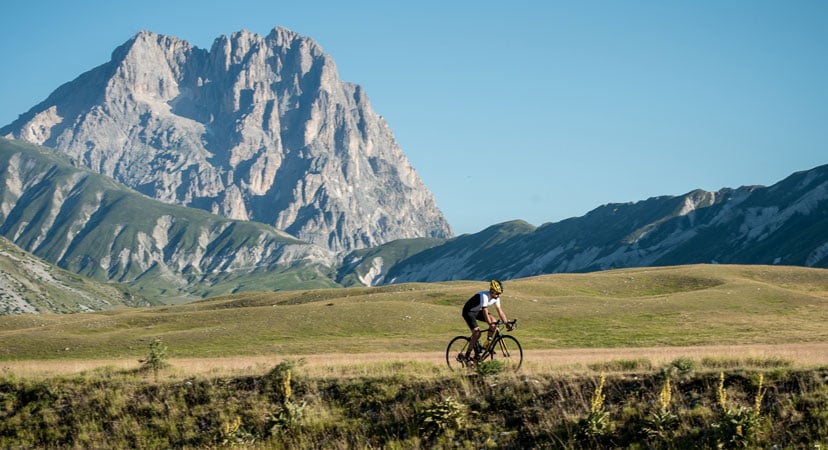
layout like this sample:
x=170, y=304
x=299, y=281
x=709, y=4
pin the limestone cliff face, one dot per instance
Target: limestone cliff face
x=256, y=128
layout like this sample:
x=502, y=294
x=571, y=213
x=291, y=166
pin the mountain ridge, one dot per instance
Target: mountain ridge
x=786, y=223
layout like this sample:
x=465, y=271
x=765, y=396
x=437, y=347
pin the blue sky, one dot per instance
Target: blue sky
x=533, y=110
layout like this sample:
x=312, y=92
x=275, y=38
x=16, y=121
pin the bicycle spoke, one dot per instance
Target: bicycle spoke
x=509, y=352
x=456, y=351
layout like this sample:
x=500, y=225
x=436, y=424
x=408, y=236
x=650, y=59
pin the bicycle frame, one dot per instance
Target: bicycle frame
x=487, y=350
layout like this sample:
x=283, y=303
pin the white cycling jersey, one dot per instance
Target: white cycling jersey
x=487, y=301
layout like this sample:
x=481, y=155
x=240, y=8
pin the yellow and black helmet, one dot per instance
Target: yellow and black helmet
x=496, y=286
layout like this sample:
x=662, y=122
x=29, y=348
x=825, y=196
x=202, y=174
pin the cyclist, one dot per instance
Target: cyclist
x=477, y=308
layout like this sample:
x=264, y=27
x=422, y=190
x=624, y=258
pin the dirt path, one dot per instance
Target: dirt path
x=800, y=354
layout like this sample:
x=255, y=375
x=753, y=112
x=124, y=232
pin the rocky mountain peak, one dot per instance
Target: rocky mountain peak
x=151, y=64
x=257, y=128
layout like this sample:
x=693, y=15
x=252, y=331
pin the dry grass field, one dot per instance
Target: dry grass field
x=795, y=355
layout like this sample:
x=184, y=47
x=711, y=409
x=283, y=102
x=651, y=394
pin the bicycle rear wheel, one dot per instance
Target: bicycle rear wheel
x=508, y=351
x=456, y=353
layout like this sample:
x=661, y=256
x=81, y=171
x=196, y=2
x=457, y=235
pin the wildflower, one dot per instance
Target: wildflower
x=665, y=396
x=721, y=393
x=760, y=393
x=598, y=396
x=286, y=386
x=232, y=428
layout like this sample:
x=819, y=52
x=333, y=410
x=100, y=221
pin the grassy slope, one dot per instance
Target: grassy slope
x=686, y=305
x=54, y=290
x=122, y=220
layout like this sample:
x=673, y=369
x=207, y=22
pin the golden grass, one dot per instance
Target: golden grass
x=800, y=355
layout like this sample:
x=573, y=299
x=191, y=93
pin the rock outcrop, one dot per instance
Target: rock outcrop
x=257, y=128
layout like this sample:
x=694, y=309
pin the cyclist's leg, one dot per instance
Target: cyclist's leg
x=474, y=342
x=470, y=316
x=489, y=330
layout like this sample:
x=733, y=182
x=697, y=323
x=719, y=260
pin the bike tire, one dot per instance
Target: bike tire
x=507, y=350
x=457, y=347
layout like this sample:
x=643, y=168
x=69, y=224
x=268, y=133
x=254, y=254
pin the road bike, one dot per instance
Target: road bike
x=503, y=347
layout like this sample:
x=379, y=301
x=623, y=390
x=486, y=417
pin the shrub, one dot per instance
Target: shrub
x=678, y=367
x=490, y=367
x=157, y=357
x=620, y=365
x=444, y=417
x=683, y=365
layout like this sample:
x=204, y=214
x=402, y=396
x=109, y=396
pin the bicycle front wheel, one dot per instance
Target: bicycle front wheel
x=456, y=353
x=508, y=351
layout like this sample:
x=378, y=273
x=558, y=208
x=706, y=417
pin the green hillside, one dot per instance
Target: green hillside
x=93, y=226
x=673, y=306
x=359, y=264
x=29, y=285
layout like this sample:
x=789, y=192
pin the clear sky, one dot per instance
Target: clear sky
x=534, y=110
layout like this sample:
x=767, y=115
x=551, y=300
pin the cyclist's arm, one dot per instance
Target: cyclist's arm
x=501, y=314
x=489, y=317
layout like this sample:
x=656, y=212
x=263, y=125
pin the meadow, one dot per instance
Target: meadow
x=701, y=356
x=705, y=305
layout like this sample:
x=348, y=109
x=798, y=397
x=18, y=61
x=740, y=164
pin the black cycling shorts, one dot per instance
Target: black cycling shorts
x=472, y=312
